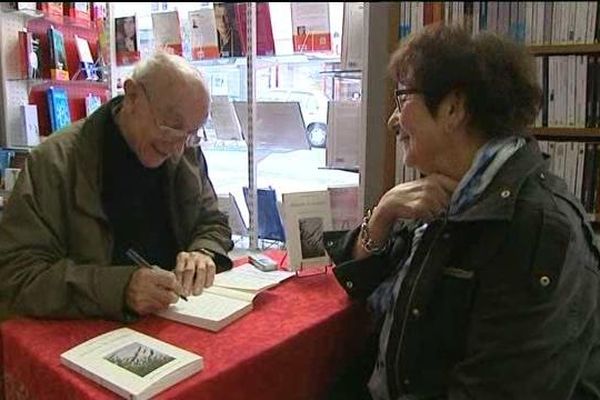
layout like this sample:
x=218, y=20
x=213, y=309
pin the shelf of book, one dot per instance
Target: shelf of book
x=564, y=132
x=539, y=50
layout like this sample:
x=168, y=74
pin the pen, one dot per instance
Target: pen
x=139, y=260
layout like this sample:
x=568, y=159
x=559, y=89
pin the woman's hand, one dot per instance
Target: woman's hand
x=420, y=199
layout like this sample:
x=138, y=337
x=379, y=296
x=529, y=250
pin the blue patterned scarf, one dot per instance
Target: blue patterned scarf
x=488, y=161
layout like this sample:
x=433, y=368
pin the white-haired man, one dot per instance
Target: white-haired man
x=125, y=177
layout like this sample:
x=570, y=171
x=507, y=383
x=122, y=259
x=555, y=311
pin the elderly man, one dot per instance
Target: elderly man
x=126, y=177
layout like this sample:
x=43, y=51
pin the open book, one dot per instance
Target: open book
x=131, y=364
x=228, y=299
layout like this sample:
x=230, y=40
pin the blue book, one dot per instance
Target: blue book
x=270, y=226
x=58, y=108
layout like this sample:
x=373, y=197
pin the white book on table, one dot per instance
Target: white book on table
x=228, y=299
x=131, y=364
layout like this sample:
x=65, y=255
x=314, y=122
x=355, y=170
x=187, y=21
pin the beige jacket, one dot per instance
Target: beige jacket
x=55, y=241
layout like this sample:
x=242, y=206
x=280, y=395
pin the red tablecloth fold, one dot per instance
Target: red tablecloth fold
x=291, y=346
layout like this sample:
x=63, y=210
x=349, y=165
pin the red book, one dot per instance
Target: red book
x=52, y=9
x=78, y=10
x=265, y=44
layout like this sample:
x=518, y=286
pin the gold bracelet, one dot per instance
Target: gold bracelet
x=366, y=242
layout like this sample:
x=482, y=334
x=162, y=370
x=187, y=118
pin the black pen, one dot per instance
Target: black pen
x=139, y=260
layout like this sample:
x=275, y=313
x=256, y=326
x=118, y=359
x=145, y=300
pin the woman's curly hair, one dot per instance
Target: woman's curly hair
x=495, y=74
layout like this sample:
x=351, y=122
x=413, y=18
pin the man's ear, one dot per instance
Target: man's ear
x=130, y=87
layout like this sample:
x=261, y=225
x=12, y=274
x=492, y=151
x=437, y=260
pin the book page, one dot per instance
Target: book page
x=214, y=304
x=129, y=362
x=248, y=278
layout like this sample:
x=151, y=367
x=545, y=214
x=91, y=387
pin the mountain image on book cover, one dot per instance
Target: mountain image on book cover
x=58, y=108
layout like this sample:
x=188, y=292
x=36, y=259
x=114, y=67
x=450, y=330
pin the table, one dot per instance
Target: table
x=291, y=346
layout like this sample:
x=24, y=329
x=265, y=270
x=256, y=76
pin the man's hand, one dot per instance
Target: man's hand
x=151, y=290
x=194, y=271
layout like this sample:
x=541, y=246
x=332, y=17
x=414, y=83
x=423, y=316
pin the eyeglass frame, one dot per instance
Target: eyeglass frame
x=398, y=93
x=191, y=138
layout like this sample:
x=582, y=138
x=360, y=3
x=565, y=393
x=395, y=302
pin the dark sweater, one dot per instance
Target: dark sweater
x=134, y=201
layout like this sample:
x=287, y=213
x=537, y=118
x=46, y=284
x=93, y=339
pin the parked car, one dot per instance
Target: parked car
x=313, y=106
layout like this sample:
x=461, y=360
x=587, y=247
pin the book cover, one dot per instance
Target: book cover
x=306, y=216
x=29, y=124
x=270, y=225
x=79, y=10
x=99, y=11
x=58, y=108
x=310, y=27
x=29, y=48
x=203, y=34
x=132, y=364
x=224, y=119
x=345, y=211
x=352, y=35
x=228, y=34
x=86, y=61
x=229, y=206
x=92, y=103
x=265, y=44
x=54, y=10
x=126, y=40
x=167, y=32
x=58, y=55
x=343, y=136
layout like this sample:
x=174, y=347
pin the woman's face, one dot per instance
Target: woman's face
x=420, y=133
x=129, y=27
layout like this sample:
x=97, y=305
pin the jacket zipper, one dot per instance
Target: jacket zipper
x=408, y=303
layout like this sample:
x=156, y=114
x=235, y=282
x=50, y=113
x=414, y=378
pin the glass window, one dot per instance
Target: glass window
x=294, y=87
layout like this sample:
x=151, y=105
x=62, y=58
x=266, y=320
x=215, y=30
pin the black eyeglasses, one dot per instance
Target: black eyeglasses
x=401, y=96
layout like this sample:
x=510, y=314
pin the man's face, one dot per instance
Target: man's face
x=163, y=134
x=221, y=18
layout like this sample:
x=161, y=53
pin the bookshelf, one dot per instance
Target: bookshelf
x=564, y=49
x=17, y=90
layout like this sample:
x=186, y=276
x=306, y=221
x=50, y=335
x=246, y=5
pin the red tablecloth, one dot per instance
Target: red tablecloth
x=291, y=346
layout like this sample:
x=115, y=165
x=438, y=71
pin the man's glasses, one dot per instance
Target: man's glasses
x=172, y=134
x=401, y=95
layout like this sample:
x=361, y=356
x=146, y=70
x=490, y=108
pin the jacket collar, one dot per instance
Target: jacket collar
x=498, y=201
x=88, y=160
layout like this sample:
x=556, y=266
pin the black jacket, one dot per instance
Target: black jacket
x=499, y=302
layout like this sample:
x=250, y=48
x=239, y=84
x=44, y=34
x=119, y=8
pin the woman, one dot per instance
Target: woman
x=483, y=276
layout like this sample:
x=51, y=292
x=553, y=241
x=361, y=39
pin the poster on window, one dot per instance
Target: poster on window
x=203, y=34
x=265, y=44
x=167, y=32
x=310, y=27
x=126, y=40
